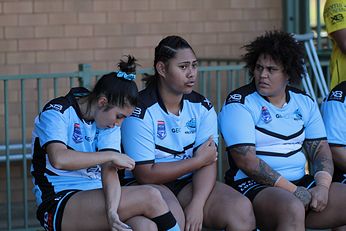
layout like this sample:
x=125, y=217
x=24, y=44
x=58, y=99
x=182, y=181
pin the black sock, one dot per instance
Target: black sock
x=165, y=221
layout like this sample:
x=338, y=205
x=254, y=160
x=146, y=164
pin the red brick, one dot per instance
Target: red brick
x=163, y=28
x=219, y=4
x=8, y=20
x=176, y=16
x=190, y=27
x=92, y=18
x=9, y=69
x=62, y=43
x=243, y=4
x=78, y=30
x=34, y=69
x=121, y=17
x=49, y=31
x=107, y=29
x=162, y=5
x=145, y=41
x=94, y=42
x=32, y=44
x=18, y=7
x=120, y=41
x=107, y=54
x=47, y=6
x=197, y=39
x=8, y=45
x=62, y=18
x=136, y=28
x=50, y=56
x=148, y=17
x=217, y=27
x=134, y=5
x=19, y=32
x=79, y=56
x=33, y=19
x=20, y=57
x=107, y=5
x=78, y=5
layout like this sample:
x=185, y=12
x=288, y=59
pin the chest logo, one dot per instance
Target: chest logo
x=161, y=129
x=265, y=115
x=191, y=126
x=77, y=133
x=297, y=115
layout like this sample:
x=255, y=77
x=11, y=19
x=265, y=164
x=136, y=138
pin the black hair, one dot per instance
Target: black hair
x=282, y=48
x=164, y=51
x=119, y=91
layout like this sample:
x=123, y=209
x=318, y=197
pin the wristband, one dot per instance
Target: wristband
x=285, y=184
x=323, y=178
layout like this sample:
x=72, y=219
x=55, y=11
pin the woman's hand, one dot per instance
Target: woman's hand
x=122, y=161
x=319, y=199
x=193, y=217
x=207, y=152
x=115, y=223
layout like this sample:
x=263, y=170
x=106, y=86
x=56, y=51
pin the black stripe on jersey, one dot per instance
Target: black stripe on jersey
x=338, y=93
x=108, y=149
x=239, y=95
x=145, y=162
x=283, y=137
x=39, y=168
x=195, y=97
x=52, y=141
x=174, y=152
x=321, y=138
x=239, y=145
x=278, y=154
x=297, y=91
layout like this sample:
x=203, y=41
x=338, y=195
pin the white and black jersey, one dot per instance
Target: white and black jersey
x=153, y=135
x=61, y=122
x=247, y=118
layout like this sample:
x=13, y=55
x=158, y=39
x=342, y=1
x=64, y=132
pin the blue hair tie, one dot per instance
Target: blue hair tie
x=122, y=74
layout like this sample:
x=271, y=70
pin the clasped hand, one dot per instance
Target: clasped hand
x=207, y=152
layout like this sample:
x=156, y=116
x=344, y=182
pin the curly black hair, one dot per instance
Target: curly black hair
x=282, y=48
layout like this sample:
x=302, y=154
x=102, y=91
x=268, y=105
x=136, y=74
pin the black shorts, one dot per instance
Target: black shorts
x=339, y=176
x=177, y=185
x=251, y=188
x=49, y=212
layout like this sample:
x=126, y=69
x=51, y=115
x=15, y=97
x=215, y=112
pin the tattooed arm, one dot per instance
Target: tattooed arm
x=246, y=159
x=321, y=166
x=319, y=155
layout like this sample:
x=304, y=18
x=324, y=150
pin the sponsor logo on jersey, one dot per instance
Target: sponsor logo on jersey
x=297, y=115
x=176, y=130
x=77, y=136
x=161, y=129
x=56, y=107
x=235, y=98
x=137, y=112
x=88, y=138
x=336, y=95
x=191, y=126
x=94, y=172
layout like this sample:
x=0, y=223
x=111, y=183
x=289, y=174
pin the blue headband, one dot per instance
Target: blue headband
x=122, y=74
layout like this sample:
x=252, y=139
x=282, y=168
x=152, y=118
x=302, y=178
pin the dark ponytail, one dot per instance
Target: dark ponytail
x=118, y=87
x=164, y=51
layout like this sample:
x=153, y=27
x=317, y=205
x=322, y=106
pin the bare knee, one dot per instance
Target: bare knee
x=242, y=214
x=153, y=202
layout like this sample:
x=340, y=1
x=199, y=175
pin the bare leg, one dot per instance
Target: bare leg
x=278, y=209
x=334, y=215
x=141, y=223
x=173, y=204
x=86, y=209
x=225, y=208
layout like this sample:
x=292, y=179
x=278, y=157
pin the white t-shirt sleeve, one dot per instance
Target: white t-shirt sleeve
x=334, y=117
x=207, y=127
x=51, y=126
x=109, y=139
x=138, y=138
x=236, y=125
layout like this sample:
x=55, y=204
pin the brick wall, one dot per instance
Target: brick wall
x=55, y=35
